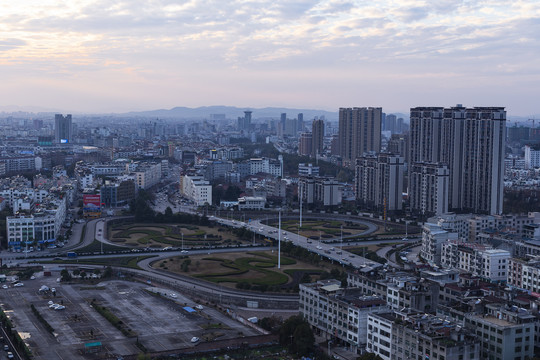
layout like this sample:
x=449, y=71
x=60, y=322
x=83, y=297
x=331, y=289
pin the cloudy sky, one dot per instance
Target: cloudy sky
x=111, y=55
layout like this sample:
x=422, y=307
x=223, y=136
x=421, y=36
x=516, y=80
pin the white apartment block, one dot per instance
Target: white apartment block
x=433, y=237
x=532, y=157
x=504, y=333
x=524, y=274
x=401, y=336
x=451, y=222
x=337, y=313
x=477, y=259
x=267, y=166
x=147, y=175
x=251, y=203
x=197, y=190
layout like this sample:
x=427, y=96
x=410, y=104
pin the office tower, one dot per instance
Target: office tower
x=62, y=129
x=305, y=144
x=359, y=132
x=379, y=181
x=470, y=142
x=317, y=129
x=300, y=122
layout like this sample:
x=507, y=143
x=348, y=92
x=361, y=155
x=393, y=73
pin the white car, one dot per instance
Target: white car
x=194, y=339
x=5, y=286
x=18, y=284
x=199, y=307
x=174, y=296
x=184, y=251
x=60, y=307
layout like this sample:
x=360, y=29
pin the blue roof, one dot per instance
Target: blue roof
x=189, y=309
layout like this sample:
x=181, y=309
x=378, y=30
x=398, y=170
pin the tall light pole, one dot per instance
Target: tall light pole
x=279, y=243
x=300, y=195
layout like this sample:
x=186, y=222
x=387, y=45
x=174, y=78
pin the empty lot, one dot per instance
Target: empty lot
x=159, y=322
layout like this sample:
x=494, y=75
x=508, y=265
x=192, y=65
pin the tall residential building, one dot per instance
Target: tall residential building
x=359, y=132
x=532, y=157
x=244, y=123
x=428, y=188
x=470, y=142
x=305, y=144
x=300, y=122
x=379, y=181
x=317, y=129
x=63, y=129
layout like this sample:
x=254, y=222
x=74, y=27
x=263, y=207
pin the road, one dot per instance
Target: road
x=331, y=251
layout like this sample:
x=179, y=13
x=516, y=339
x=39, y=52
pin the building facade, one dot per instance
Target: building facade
x=470, y=142
x=359, y=132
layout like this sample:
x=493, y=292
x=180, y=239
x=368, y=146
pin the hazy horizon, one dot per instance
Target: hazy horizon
x=100, y=56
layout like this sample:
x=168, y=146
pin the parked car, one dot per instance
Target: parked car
x=194, y=339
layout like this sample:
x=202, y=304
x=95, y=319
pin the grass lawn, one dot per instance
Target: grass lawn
x=239, y=269
x=326, y=229
x=123, y=261
x=160, y=236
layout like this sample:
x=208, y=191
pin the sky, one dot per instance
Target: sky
x=115, y=56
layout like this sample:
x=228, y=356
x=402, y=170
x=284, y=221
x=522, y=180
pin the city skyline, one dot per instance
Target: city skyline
x=114, y=57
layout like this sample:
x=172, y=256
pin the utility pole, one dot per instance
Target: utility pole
x=300, y=196
x=279, y=243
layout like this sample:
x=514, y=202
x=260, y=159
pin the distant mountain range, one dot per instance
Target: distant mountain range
x=232, y=112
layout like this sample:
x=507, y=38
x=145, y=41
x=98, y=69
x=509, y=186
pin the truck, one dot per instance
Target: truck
x=71, y=254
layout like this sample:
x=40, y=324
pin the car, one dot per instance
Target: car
x=194, y=339
x=18, y=284
x=184, y=251
x=174, y=296
x=32, y=277
x=319, y=247
x=53, y=306
x=6, y=347
x=198, y=307
x=10, y=355
x=5, y=286
x=60, y=307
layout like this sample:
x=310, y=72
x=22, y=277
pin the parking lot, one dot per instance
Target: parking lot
x=159, y=322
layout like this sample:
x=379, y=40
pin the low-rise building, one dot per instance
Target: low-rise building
x=400, y=336
x=197, y=190
x=339, y=314
x=251, y=203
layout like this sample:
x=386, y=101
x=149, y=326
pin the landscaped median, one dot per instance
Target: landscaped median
x=254, y=270
x=120, y=261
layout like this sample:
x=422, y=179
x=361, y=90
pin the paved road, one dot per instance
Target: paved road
x=331, y=251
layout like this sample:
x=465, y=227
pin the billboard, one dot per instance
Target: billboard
x=92, y=203
x=64, y=141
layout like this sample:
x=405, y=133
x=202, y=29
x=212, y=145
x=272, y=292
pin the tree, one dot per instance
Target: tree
x=296, y=333
x=303, y=340
x=107, y=273
x=65, y=275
